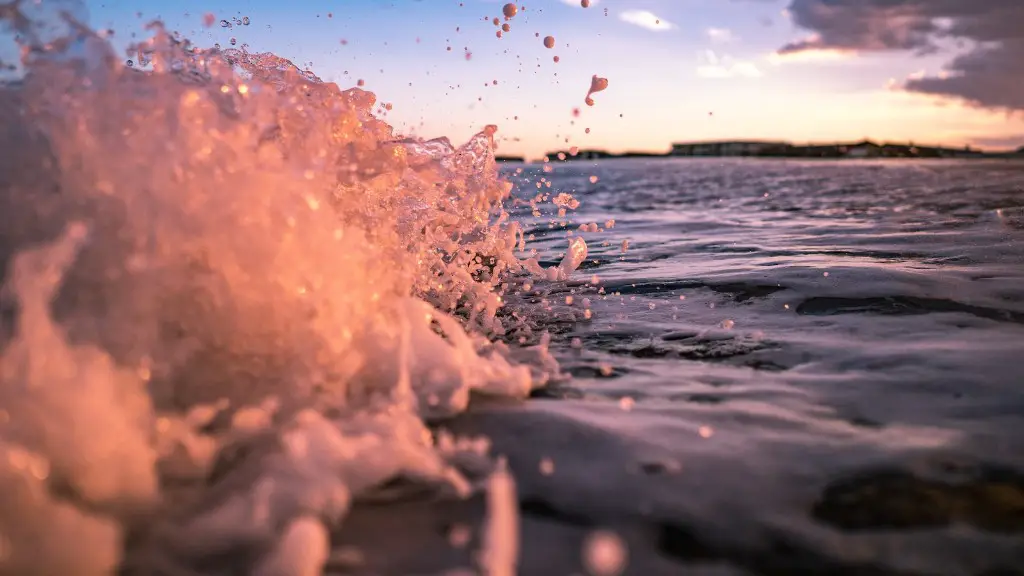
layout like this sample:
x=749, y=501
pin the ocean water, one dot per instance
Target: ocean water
x=247, y=328
x=794, y=367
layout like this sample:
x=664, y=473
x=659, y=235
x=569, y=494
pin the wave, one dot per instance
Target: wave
x=233, y=300
x=902, y=306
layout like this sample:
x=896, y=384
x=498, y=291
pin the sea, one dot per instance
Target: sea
x=247, y=327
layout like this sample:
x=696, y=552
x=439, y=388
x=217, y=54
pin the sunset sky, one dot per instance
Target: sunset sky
x=928, y=71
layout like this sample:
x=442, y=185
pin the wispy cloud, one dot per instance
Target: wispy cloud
x=725, y=67
x=721, y=35
x=810, y=55
x=645, y=19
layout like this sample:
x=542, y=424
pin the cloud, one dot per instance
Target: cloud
x=989, y=74
x=645, y=19
x=725, y=67
x=720, y=35
x=810, y=55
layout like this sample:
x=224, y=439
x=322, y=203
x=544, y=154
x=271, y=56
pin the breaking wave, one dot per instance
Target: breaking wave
x=233, y=298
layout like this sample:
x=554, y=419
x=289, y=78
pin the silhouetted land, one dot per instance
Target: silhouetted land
x=769, y=149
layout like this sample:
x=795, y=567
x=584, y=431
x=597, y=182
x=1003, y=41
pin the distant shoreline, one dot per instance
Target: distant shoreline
x=783, y=150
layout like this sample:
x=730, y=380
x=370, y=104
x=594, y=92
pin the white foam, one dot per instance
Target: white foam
x=249, y=289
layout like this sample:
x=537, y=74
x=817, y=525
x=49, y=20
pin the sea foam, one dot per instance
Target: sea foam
x=233, y=299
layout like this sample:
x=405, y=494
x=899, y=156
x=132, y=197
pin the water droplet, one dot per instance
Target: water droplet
x=245, y=20
x=459, y=535
x=597, y=84
x=585, y=3
x=556, y=59
x=549, y=42
x=233, y=41
x=547, y=466
x=225, y=24
x=510, y=10
x=604, y=553
x=130, y=63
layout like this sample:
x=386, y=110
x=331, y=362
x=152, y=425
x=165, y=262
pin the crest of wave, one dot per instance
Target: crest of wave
x=218, y=255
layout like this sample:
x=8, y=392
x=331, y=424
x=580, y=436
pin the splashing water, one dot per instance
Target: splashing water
x=597, y=84
x=232, y=299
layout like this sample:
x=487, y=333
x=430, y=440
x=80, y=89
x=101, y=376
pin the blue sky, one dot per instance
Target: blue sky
x=707, y=70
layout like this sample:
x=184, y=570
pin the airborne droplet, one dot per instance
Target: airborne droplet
x=585, y=3
x=604, y=553
x=597, y=84
x=510, y=10
x=549, y=41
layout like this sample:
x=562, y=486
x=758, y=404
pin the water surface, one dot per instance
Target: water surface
x=795, y=367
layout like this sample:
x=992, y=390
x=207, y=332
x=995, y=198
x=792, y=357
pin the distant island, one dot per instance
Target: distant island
x=768, y=149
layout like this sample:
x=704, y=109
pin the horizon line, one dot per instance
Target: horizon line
x=768, y=141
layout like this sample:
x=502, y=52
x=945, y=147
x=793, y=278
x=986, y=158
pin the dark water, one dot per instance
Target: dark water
x=796, y=368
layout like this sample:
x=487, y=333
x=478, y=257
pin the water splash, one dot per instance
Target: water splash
x=597, y=84
x=226, y=276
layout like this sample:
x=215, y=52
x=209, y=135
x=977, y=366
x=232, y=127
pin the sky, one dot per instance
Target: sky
x=945, y=72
